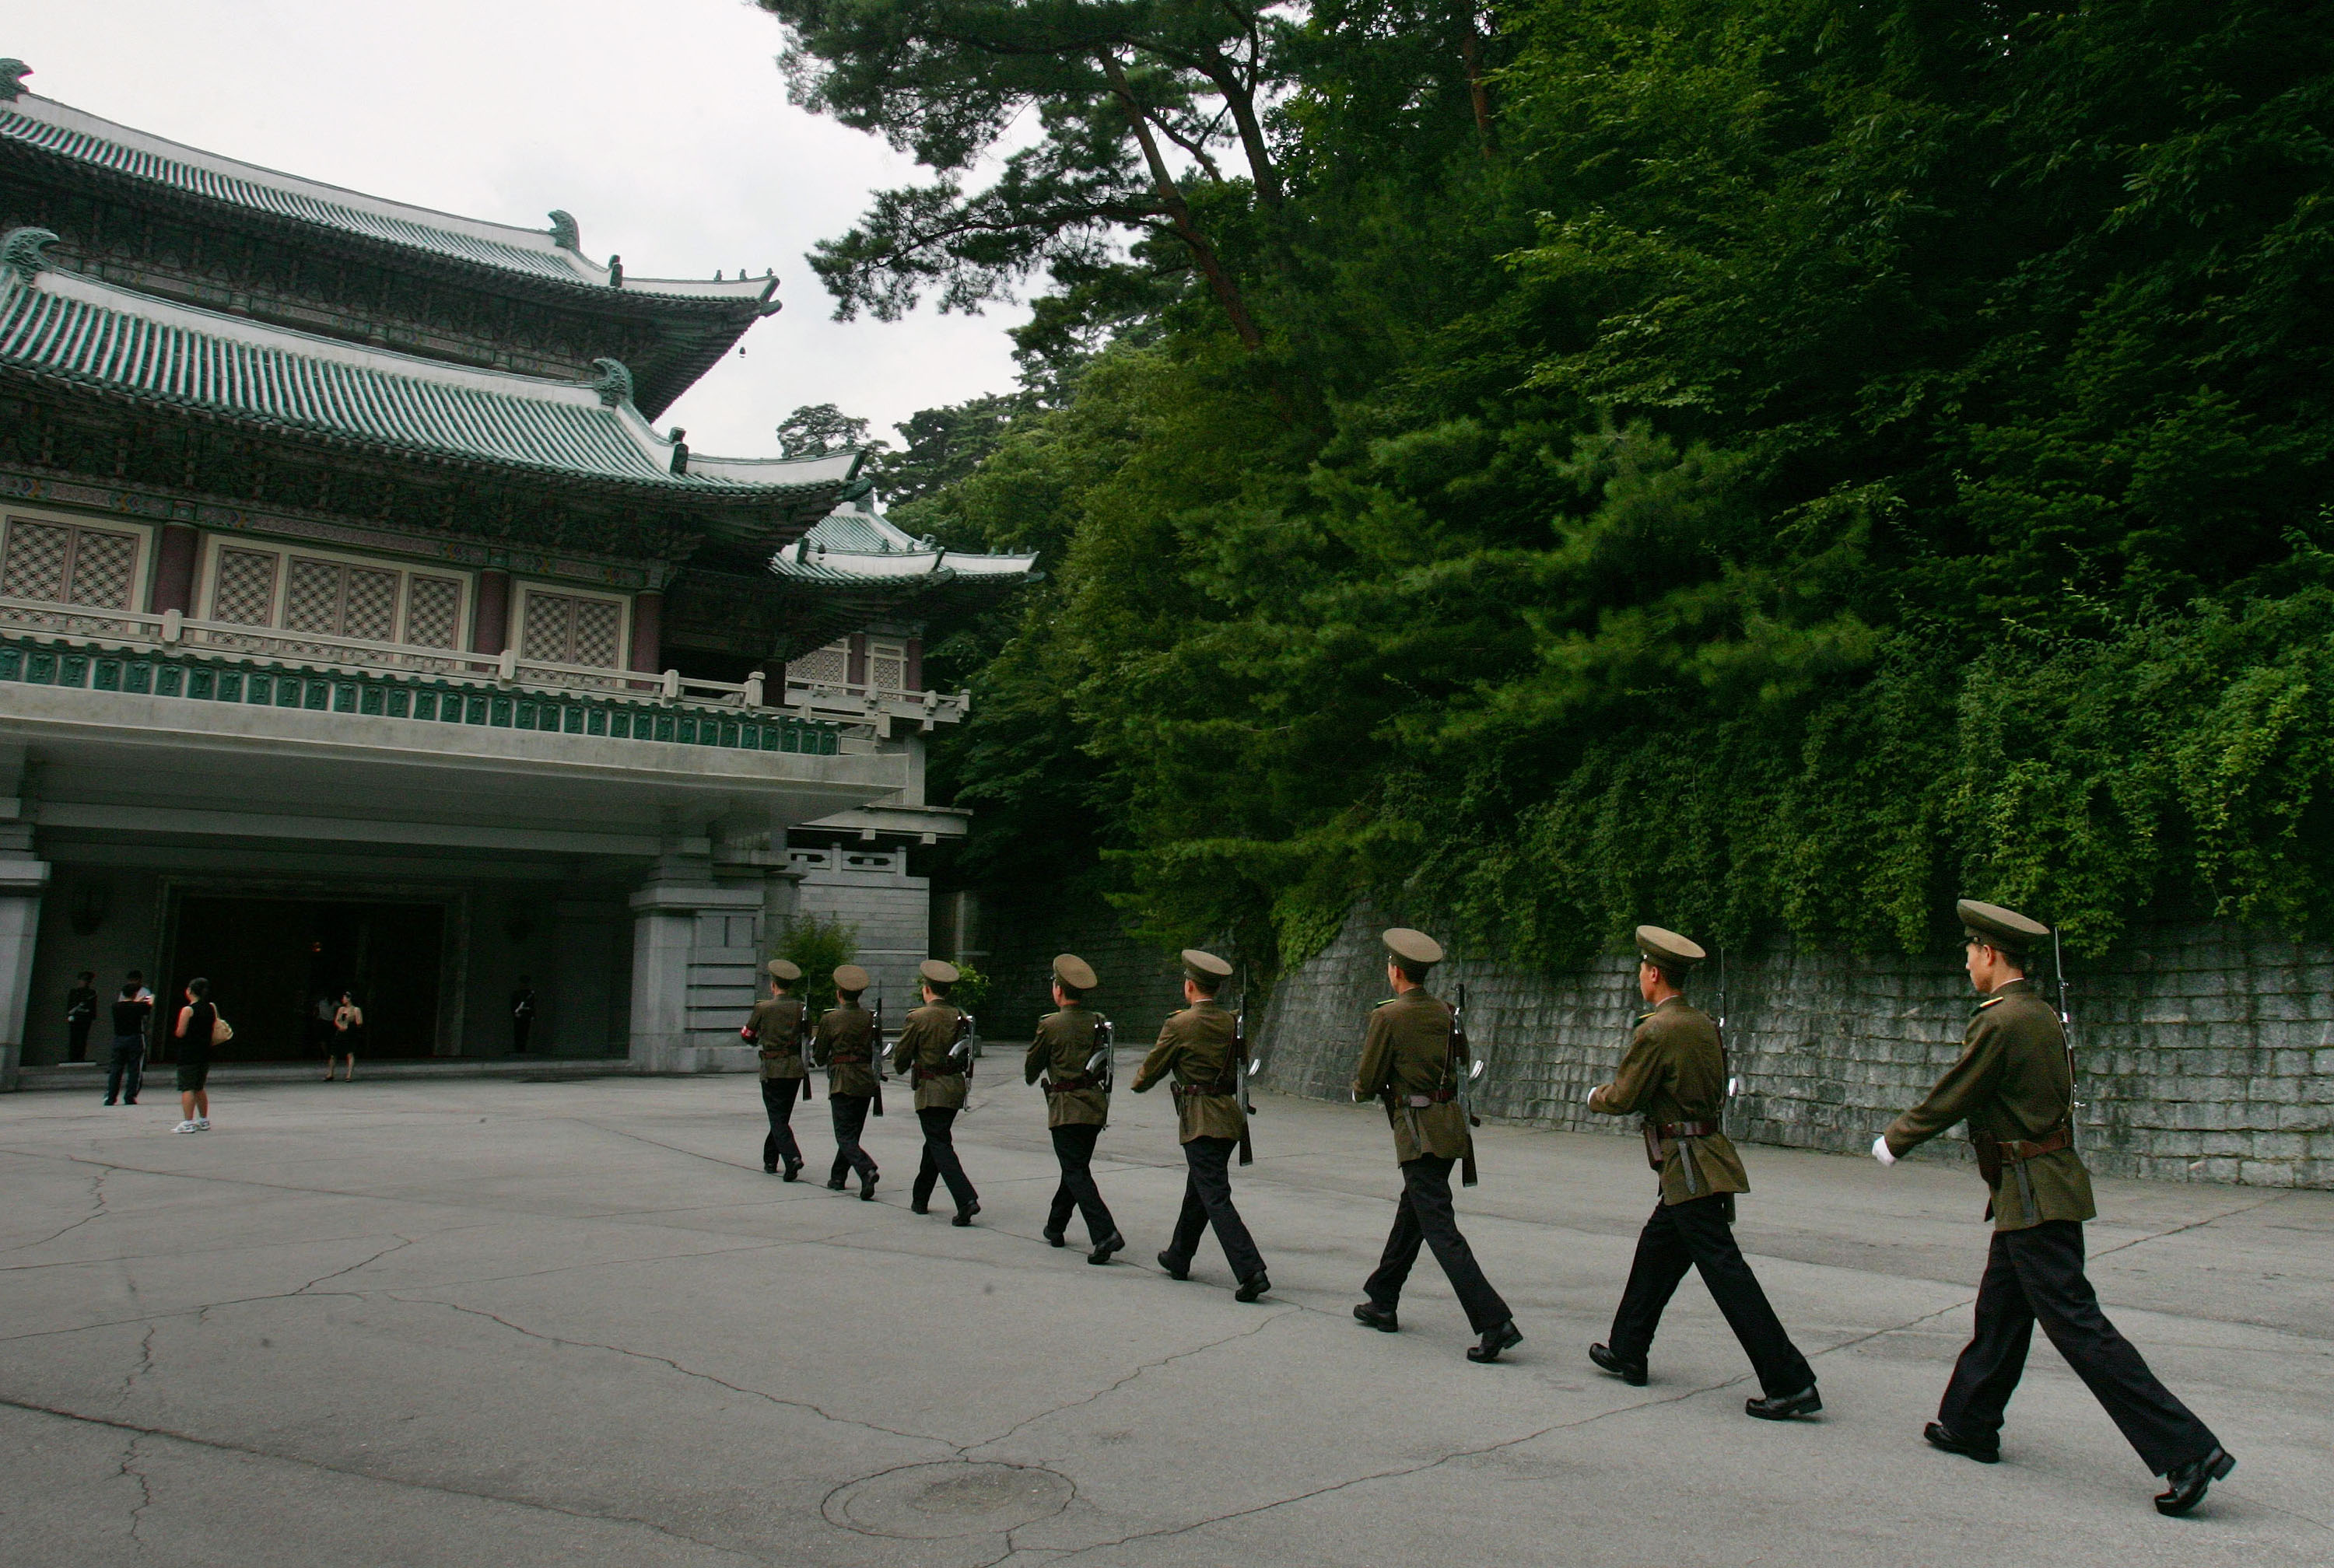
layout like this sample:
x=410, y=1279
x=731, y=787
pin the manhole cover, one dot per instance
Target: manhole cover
x=935, y=1502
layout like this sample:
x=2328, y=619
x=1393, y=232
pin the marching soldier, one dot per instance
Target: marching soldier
x=1077, y=1104
x=2014, y=1084
x=1196, y=1045
x=775, y=1028
x=1415, y=1059
x=1674, y=1075
x=847, y=1046
x=927, y=1049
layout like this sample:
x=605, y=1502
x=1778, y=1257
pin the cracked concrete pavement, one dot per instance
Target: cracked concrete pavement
x=552, y=1322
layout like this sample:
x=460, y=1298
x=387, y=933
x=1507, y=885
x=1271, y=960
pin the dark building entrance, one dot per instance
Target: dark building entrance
x=270, y=960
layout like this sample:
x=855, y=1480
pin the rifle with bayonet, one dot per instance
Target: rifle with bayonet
x=2065, y=1035
x=1102, y=1063
x=1242, y=1069
x=875, y=1058
x=806, y=1034
x=1456, y=1053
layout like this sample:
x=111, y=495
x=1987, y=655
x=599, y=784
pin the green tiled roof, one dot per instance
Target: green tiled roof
x=44, y=126
x=63, y=327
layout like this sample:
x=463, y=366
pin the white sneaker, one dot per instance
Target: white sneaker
x=185, y=1127
x=202, y=1124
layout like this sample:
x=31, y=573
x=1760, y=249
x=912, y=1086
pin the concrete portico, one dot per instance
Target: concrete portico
x=454, y=1323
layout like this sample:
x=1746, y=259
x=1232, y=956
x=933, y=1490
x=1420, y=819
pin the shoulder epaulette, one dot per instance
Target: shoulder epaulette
x=1990, y=1000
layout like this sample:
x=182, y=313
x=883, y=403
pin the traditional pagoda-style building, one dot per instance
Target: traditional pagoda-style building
x=359, y=632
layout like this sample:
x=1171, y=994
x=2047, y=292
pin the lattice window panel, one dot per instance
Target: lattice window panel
x=828, y=666
x=887, y=666
x=560, y=629
x=101, y=568
x=245, y=590
x=70, y=565
x=433, y=611
x=544, y=635
x=311, y=597
x=35, y=563
x=369, y=604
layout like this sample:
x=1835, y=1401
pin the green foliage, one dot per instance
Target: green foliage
x=1781, y=465
x=971, y=989
x=820, y=947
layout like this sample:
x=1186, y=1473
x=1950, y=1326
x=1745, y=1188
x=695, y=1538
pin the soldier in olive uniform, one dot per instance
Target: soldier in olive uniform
x=776, y=1030
x=1077, y=1104
x=1196, y=1045
x=927, y=1051
x=2014, y=1084
x=847, y=1046
x=1674, y=1075
x=1415, y=1059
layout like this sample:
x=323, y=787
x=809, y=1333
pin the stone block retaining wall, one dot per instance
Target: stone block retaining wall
x=2204, y=1053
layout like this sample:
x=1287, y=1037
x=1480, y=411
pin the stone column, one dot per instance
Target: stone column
x=24, y=878
x=691, y=973
x=490, y=617
x=174, y=550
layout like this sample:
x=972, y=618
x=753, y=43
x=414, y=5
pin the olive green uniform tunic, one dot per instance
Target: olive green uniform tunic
x=777, y=1024
x=845, y=1046
x=1407, y=1056
x=1064, y=1044
x=1196, y=1047
x=1674, y=1072
x=923, y=1047
x=2012, y=1082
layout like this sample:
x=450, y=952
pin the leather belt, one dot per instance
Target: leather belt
x=1068, y=1085
x=1188, y=1091
x=1421, y=1101
x=1688, y=1129
x=2058, y=1138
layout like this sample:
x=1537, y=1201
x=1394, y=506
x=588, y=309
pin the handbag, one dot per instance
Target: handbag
x=221, y=1030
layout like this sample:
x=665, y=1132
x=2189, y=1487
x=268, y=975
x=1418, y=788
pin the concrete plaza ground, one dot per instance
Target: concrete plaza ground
x=519, y=1323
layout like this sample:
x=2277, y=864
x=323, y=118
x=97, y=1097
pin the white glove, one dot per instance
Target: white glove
x=1880, y=1151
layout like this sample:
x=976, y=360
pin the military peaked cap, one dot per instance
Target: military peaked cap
x=1415, y=948
x=851, y=978
x=1996, y=926
x=1205, y=967
x=1667, y=949
x=785, y=969
x=1075, y=972
x=937, y=972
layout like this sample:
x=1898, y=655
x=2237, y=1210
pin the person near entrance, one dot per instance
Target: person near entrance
x=1077, y=1104
x=933, y=1050
x=191, y=1040
x=847, y=1046
x=125, y=1066
x=1414, y=1057
x=81, y=1013
x=522, y=1013
x=775, y=1029
x=1673, y=1074
x=1199, y=1047
x=348, y=1033
x=2015, y=1086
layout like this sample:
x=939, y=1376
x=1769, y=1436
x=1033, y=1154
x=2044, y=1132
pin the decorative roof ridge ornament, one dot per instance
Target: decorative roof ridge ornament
x=20, y=251
x=612, y=379
x=615, y=272
x=13, y=72
x=564, y=232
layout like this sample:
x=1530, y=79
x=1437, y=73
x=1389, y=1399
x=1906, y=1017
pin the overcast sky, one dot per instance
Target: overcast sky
x=663, y=127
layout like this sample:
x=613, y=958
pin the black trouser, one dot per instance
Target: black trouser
x=1208, y=1200
x=77, y=1038
x=939, y=1162
x=2038, y=1273
x=520, y=1029
x=778, y=1097
x=1425, y=1215
x=126, y=1069
x=1698, y=1234
x=1074, y=1147
x=850, y=1112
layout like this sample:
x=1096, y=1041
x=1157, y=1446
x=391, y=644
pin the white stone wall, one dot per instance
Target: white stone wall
x=870, y=888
